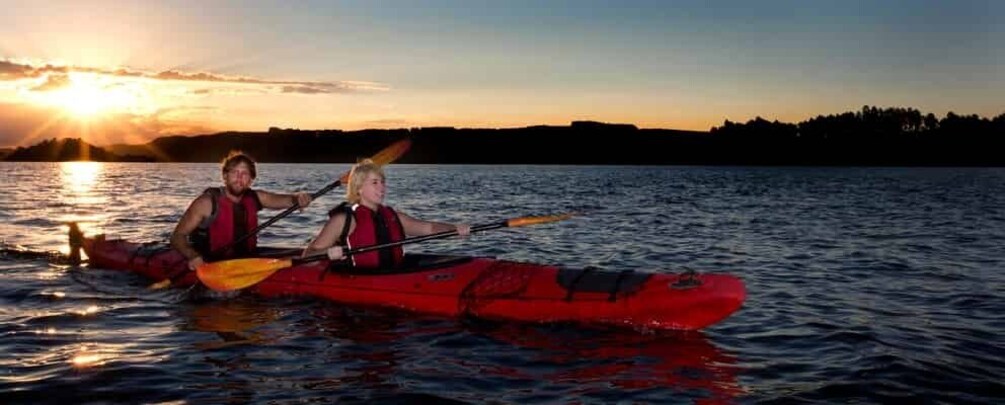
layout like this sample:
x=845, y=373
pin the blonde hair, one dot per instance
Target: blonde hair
x=356, y=177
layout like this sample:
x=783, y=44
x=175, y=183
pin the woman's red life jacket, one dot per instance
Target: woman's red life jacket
x=374, y=228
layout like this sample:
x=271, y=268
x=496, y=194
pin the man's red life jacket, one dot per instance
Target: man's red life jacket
x=228, y=222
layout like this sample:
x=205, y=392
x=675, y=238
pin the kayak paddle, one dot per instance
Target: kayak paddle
x=240, y=273
x=385, y=156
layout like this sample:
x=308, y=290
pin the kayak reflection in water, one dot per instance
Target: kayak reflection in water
x=596, y=360
x=363, y=220
x=385, y=351
x=235, y=322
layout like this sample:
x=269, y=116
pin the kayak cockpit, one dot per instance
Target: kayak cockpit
x=412, y=263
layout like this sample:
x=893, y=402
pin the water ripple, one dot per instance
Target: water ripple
x=864, y=285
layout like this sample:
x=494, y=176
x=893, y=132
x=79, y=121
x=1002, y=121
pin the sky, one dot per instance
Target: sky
x=128, y=72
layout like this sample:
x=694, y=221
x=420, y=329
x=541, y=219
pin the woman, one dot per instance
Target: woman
x=363, y=220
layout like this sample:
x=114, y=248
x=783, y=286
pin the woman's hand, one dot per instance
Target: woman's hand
x=335, y=253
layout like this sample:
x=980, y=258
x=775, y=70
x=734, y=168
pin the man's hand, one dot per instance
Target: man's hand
x=301, y=200
x=195, y=262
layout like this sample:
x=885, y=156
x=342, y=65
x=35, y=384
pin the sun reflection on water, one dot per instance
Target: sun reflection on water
x=81, y=198
x=54, y=294
x=80, y=177
x=87, y=360
x=93, y=309
x=50, y=274
x=92, y=355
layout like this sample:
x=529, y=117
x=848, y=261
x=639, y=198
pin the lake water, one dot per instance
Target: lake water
x=864, y=285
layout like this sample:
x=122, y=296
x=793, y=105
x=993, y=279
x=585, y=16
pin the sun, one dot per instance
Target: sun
x=88, y=95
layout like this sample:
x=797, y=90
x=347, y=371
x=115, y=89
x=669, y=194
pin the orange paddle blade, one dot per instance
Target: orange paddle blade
x=524, y=221
x=386, y=155
x=239, y=273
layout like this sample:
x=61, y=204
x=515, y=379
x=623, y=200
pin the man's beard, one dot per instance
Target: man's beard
x=237, y=192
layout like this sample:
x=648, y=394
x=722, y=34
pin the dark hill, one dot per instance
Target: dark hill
x=579, y=143
x=870, y=137
x=69, y=149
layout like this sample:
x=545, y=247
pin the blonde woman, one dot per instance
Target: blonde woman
x=363, y=220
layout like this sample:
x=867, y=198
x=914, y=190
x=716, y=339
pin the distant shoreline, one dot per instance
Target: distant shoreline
x=870, y=137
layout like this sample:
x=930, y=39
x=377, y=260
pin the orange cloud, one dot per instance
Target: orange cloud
x=15, y=71
x=123, y=105
x=10, y=70
x=53, y=82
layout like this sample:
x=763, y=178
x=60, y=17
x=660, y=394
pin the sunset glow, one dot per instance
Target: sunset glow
x=138, y=72
x=85, y=96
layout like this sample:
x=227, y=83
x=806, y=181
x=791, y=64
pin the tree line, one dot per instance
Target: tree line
x=871, y=136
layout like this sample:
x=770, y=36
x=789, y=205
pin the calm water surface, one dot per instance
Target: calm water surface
x=864, y=284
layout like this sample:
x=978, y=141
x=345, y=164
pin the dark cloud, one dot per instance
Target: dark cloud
x=301, y=87
x=13, y=71
x=199, y=77
x=304, y=90
x=325, y=88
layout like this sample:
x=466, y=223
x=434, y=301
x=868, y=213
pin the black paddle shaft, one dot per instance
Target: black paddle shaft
x=414, y=239
x=183, y=271
x=273, y=220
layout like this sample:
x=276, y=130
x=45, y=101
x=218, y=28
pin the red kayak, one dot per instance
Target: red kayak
x=473, y=286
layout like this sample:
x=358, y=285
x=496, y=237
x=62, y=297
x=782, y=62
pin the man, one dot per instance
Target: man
x=223, y=215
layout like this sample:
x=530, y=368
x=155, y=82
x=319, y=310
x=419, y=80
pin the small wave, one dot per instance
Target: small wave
x=35, y=222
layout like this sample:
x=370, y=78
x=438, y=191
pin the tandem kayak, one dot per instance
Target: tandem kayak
x=482, y=287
